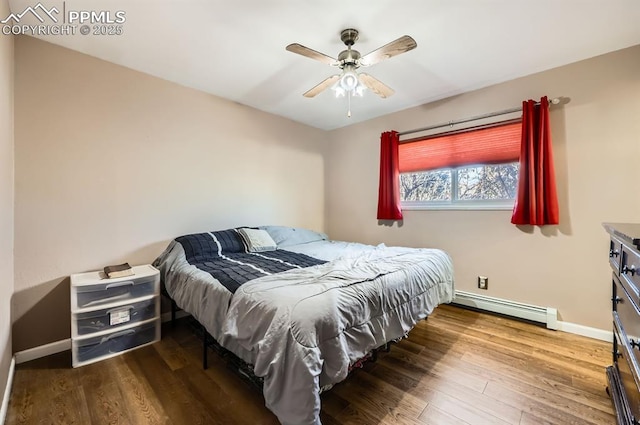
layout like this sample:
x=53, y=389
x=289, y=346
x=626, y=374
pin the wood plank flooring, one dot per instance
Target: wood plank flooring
x=457, y=367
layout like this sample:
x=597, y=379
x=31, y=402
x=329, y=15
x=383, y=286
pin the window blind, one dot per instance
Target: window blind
x=487, y=144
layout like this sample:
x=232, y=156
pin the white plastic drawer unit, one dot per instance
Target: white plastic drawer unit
x=107, y=319
x=93, y=290
x=112, y=316
x=93, y=349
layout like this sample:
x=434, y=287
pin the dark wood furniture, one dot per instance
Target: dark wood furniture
x=624, y=374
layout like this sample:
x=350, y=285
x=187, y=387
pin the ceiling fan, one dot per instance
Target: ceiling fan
x=350, y=82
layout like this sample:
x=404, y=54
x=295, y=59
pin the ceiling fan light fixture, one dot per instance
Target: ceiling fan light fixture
x=349, y=83
x=359, y=90
x=349, y=79
x=338, y=90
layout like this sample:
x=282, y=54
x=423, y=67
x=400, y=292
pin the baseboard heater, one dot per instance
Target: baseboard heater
x=545, y=315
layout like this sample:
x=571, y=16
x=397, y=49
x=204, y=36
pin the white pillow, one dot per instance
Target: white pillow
x=286, y=236
x=257, y=240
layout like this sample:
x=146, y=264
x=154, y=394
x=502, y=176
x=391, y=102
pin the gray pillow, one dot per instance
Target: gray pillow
x=257, y=240
x=287, y=236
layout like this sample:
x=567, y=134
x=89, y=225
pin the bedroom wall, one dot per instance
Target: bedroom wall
x=111, y=164
x=597, y=145
x=6, y=200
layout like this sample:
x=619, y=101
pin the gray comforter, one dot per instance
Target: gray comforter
x=302, y=329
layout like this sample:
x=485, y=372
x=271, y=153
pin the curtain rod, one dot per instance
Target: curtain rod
x=553, y=101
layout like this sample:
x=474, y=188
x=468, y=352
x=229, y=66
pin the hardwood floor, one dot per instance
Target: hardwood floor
x=457, y=367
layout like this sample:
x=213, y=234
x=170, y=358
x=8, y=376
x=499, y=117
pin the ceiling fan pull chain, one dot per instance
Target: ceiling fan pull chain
x=349, y=103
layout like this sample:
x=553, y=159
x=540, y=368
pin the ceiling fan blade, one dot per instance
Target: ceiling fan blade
x=401, y=45
x=310, y=53
x=322, y=86
x=375, y=85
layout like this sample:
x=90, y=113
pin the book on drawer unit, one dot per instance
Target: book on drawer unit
x=118, y=270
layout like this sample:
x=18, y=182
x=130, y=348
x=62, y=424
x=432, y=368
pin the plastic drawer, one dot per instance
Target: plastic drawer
x=115, y=317
x=114, y=291
x=97, y=348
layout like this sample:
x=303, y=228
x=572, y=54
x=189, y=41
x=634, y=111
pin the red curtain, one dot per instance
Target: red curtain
x=389, y=189
x=537, y=200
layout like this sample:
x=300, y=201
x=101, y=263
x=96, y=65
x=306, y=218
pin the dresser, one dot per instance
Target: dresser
x=112, y=316
x=624, y=374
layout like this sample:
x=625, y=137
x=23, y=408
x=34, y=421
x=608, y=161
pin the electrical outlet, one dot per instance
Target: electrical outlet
x=483, y=282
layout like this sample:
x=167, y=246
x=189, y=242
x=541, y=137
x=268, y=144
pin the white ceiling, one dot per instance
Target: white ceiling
x=236, y=50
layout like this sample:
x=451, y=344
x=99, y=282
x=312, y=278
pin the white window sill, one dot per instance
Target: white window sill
x=467, y=206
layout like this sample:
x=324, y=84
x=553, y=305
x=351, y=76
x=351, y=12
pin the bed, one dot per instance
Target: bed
x=299, y=308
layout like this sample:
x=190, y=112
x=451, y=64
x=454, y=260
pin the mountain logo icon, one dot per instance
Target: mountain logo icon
x=38, y=11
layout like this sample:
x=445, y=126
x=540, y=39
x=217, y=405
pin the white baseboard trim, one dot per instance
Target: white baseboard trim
x=546, y=315
x=595, y=333
x=7, y=391
x=42, y=351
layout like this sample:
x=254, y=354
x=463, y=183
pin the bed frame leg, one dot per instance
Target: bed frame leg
x=174, y=308
x=205, y=364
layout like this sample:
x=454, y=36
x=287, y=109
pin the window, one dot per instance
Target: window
x=474, y=168
x=491, y=185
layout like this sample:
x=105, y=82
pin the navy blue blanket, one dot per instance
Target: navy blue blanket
x=224, y=255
